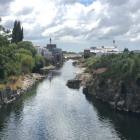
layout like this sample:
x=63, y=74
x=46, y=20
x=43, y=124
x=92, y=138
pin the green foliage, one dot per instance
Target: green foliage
x=12, y=68
x=91, y=61
x=23, y=51
x=126, y=50
x=39, y=63
x=3, y=41
x=17, y=33
x=13, y=45
x=14, y=60
x=28, y=46
x=27, y=63
x=18, y=58
x=125, y=66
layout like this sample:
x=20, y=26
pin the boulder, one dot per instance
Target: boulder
x=75, y=84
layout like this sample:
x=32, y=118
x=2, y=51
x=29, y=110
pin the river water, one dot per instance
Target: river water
x=52, y=111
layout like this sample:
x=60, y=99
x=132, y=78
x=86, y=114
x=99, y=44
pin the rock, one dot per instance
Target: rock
x=9, y=95
x=120, y=103
x=74, y=63
x=85, y=90
x=75, y=84
x=125, y=98
x=112, y=104
x=84, y=77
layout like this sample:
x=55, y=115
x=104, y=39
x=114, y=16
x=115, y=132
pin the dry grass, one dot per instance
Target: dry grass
x=100, y=71
x=14, y=83
x=2, y=86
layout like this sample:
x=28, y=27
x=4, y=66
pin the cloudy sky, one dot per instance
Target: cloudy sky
x=76, y=24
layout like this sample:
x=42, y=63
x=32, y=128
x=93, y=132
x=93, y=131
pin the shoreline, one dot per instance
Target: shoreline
x=81, y=77
x=9, y=95
x=115, y=100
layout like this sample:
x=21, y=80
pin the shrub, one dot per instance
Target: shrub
x=28, y=46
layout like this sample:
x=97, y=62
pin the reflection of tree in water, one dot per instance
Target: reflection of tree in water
x=52, y=74
x=126, y=125
x=6, y=111
x=14, y=110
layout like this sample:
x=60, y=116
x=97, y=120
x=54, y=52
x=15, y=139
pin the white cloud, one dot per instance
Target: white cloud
x=75, y=22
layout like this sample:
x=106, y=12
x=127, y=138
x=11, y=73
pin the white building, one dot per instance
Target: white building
x=104, y=50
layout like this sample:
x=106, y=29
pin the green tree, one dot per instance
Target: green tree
x=39, y=63
x=22, y=35
x=27, y=63
x=28, y=46
x=126, y=50
x=17, y=33
x=3, y=41
x=24, y=51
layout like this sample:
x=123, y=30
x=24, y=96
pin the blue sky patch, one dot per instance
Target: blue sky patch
x=86, y=2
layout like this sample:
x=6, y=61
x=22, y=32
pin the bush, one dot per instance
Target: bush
x=24, y=51
x=39, y=63
x=125, y=66
x=27, y=63
x=28, y=46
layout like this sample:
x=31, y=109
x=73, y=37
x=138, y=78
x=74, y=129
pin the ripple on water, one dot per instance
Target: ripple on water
x=55, y=112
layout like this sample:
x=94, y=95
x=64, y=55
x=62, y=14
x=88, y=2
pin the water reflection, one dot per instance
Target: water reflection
x=13, y=113
x=52, y=111
x=126, y=125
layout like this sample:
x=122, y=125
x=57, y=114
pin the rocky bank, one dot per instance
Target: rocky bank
x=10, y=93
x=81, y=76
x=118, y=94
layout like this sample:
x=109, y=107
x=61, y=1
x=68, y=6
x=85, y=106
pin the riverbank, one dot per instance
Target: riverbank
x=52, y=111
x=82, y=77
x=121, y=94
x=15, y=88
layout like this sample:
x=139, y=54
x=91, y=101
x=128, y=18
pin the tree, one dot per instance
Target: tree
x=126, y=50
x=22, y=36
x=17, y=33
x=27, y=63
x=3, y=41
x=28, y=46
x=24, y=51
x=17, y=58
x=39, y=63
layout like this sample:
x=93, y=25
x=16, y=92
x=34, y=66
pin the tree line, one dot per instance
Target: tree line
x=17, y=57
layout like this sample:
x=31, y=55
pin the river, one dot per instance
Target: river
x=52, y=111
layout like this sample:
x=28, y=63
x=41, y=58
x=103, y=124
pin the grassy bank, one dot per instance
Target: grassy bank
x=125, y=66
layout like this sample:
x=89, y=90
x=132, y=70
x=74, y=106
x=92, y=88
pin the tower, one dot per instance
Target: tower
x=50, y=41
